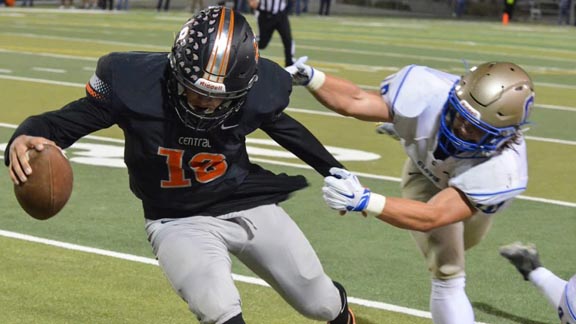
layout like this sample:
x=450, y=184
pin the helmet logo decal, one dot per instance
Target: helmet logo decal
x=210, y=86
x=528, y=107
x=220, y=55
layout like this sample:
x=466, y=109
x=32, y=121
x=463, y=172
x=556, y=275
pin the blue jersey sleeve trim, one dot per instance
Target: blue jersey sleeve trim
x=402, y=83
x=495, y=193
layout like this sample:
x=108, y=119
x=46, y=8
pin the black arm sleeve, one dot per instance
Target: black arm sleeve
x=65, y=126
x=297, y=139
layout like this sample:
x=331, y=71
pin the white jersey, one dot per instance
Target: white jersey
x=416, y=96
x=567, y=307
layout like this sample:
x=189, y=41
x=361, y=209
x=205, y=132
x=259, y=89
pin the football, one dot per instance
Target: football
x=49, y=186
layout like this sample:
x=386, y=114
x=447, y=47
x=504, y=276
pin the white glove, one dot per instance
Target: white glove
x=305, y=75
x=343, y=191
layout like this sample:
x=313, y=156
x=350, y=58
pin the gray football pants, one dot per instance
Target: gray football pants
x=194, y=252
x=443, y=248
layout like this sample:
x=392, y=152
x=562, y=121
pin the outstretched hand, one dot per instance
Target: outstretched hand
x=300, y=72
x=342, y=191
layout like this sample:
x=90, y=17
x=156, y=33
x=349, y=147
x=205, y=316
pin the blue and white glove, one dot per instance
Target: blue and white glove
x=305, y=75
x=343, y=191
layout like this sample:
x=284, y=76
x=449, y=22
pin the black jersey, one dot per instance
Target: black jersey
x=174, y=170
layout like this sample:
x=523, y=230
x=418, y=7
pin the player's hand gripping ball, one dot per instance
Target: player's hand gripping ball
x=49, y=186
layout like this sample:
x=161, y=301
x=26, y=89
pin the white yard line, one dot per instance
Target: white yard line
x=300, y=110
x=353, y=67
x=240, y=278
x=60, y=83
x=60, y=56
x=49, y=70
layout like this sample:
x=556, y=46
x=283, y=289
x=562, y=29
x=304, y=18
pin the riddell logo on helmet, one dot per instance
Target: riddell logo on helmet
x=210, y=86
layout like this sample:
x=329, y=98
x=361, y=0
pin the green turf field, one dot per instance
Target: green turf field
x=47, y=56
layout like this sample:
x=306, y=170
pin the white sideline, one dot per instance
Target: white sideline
x=240, y=278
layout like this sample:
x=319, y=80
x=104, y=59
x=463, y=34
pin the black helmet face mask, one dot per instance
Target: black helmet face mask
x=214, y=56
x=198, y=116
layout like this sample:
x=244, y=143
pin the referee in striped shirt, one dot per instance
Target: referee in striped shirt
x=273, y=15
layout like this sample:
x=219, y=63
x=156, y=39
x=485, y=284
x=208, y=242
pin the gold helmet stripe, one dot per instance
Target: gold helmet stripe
x=218, y=61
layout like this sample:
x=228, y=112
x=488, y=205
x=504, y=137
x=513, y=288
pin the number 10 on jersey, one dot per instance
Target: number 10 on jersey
x=205, y=166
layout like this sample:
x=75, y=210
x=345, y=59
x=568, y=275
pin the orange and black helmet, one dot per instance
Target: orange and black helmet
x=215, y=54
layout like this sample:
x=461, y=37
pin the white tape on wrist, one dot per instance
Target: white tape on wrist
x=375, y=205
x=317, y=80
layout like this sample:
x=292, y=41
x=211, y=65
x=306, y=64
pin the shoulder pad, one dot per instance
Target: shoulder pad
x=270, y=95
x=414, y=87
x=136, y=79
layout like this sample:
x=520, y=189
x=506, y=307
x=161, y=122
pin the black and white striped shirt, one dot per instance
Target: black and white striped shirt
x=272, y=6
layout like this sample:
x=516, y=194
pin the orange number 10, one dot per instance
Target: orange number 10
x=206, y=167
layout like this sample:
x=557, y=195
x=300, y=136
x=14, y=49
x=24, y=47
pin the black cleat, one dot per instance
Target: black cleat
x=346, y=315
x=524, y=257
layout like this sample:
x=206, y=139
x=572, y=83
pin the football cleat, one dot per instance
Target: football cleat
x=346, y=315
x=524, y=257
x=388, y=129
x=351, y=319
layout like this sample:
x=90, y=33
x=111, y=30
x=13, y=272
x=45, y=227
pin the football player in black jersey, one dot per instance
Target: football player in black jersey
x=185, y=117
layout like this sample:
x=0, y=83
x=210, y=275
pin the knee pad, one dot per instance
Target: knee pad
x=210, y=304
x=448, y=271
x=325, y=303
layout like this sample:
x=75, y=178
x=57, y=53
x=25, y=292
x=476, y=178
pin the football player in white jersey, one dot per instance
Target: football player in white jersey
x=466, y=160
x=561, y=294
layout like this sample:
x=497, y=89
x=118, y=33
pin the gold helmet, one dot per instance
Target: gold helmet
x=494, y=97
x=501, y=92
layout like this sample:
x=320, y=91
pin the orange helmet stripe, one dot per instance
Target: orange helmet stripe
x=220, y=55
x=226, y=58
